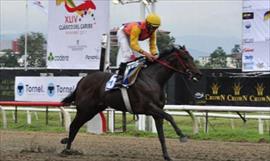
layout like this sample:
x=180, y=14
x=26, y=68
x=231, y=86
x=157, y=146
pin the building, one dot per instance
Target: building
x=9, y=44
x=234, y=60
x=203, y=60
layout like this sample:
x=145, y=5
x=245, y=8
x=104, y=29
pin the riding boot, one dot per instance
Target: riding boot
x=120, y=75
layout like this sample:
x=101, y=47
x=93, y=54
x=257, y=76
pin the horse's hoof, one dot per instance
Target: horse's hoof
x=167, y=159
x=64, y=141
x=71, y=152
x=183, y=139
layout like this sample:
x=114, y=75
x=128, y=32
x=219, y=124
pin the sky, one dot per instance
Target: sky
x=200, y=25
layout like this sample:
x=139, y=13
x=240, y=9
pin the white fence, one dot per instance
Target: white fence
x=175, y=110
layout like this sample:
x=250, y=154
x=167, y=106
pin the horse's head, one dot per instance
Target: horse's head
x=179, y=60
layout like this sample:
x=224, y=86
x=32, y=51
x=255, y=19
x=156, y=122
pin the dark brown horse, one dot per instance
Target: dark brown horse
x=146, y=94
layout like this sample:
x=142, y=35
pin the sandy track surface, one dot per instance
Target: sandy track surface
x=38, y=146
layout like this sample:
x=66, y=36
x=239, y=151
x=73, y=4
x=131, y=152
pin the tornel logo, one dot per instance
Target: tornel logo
x=51, y=89
x=20, y=89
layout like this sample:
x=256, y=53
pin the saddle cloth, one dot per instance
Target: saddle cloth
x=130, y=75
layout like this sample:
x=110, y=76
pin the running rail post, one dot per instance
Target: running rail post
x=47, y=115
x=4, y=117
x=66, y=117
x=194, y=121
x=124, y=123
x=16, y=114
x=206, y=122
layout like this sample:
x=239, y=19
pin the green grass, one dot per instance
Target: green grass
x=219, y=129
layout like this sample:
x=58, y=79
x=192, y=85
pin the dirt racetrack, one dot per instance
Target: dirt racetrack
x=38, y=146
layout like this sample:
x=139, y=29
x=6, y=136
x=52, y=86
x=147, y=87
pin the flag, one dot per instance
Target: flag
x=38, y=4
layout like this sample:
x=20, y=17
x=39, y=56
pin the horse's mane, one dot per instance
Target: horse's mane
x=167, y=51
x=170, y=49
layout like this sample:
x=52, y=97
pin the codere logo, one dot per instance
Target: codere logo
x=237, y=88
x=215, y=87
x=259, y=89
x=50, y=57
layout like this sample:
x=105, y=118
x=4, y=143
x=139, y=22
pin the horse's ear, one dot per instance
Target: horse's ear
x=184, y=47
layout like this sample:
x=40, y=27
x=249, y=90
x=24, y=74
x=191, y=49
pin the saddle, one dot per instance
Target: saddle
x=130, y=75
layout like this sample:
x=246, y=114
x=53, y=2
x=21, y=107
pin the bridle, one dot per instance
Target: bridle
x=186, y=68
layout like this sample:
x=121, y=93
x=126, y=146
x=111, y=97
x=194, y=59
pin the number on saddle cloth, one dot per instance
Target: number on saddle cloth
x=130, y=75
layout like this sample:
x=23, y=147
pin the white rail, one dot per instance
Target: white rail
x=172, y=109
x=217, y=108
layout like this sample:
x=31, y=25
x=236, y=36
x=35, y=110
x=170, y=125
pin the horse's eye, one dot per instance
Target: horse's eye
x=185, y=57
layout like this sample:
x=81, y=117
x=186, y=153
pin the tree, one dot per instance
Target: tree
x=36, y=52
x=113, y=55
x=237, y=55
x=198, y=64
x=217, y=59
x=10, y=59
x=236, y=49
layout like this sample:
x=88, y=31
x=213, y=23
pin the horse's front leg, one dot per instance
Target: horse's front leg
x=158, y=112
x=159, y=126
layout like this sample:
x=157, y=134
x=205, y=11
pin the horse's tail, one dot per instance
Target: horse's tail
x=71, y=97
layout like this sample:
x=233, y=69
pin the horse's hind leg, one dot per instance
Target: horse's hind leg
x=80, y=118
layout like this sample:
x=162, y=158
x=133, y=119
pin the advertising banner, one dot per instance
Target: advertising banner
x=44, y=88
x=256, y=35
x=75, y=33
x=238, y=91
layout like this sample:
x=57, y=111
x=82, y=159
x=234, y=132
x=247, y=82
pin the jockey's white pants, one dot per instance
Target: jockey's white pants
x=125, y=53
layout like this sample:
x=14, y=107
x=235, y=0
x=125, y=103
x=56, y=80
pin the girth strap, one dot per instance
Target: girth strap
x=126, y=99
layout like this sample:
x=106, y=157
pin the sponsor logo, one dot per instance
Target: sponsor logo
x=198, y=95
x=77, y=46
x=50, y=57
x=248, y=57
x=59, y=89
x=20, y=89
x=62, y=58
x=237, y=96
x=248, y=62
x=51, y=89
x=249, y=40
x=247, y=25
x=248, y=15
x=246, y=50
x=247, y=6
x=260, y=65
x=215, y=87
x=78, y=13
x=236, y=88
x=260, y=88
x=64, y=89
x=29, y=89
x=266, y=16
x=91, y=57
x=86, y=7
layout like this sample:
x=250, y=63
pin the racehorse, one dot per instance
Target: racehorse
x=146, y=94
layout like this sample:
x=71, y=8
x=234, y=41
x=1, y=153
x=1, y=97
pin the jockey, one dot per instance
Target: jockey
x=129, y=35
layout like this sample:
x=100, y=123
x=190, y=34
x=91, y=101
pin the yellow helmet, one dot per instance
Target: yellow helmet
x=153, y=20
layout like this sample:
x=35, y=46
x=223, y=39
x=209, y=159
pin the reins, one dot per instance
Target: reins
x=167, y=65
